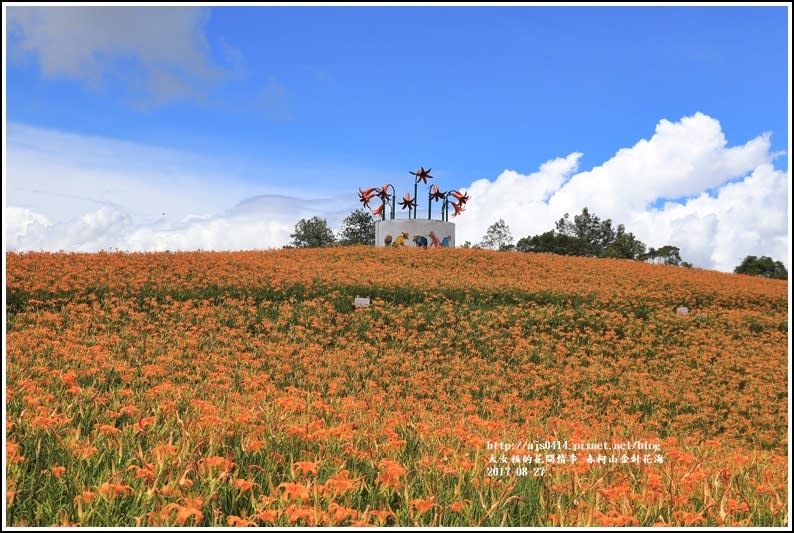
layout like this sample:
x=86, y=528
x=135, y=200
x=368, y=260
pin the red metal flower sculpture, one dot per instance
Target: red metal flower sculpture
x=435, y=194
x=462, y=198
x=383, y=192
x=365, y=196
x=407, y=201
x=422, y=174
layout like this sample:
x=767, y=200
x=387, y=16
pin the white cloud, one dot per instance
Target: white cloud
x=64, y=176
x=20, y=222
x=748, y=215
x=167, y=46
x=267, y=223
x=93, y=231
x=79, y=193
x=518, y=199
x=73, y=192
x=680, y=159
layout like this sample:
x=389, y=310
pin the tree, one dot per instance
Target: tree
x=623, y=245
x=497, y=237
x=588, y=235
x=312, y=233
x=762, y=266
x=553, y=242
x=596, y=233
x=358, y=228
x=666, y=255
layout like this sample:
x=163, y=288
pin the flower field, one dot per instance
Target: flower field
x=478, y=389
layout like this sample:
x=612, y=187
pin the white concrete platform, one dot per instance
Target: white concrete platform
x=415, y=232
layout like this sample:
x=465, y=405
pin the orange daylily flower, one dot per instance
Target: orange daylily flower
x=294, y=491
x=457, y=506
x=194, y=502
x=268, y=516
x=108, y=430
x=130, y=410
x=423, y=505
x=305, y=467
x=162, y=451
x=217, y=461
x=339, y=514
x=244, y=485
x=236, y=521
x=143, y=422
x=254, y=445
x=184, y=513
x=85, y=497
x=381, y=516
x=301, y=514
x=390, y=474
x=12, y=453
x=143, y=472
x=112, y=490
x=339, y=484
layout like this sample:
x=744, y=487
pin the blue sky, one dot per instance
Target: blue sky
x=313, y=102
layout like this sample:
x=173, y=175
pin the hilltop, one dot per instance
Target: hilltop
x=258, y=363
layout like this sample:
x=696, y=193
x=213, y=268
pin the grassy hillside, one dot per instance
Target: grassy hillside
x=234, y=388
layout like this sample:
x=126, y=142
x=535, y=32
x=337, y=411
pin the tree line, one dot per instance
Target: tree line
x=583, y=235
x=357, y=228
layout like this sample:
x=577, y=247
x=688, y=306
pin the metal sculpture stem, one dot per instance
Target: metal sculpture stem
x=412, y=204
x=416, y=203
x=393, y=200
x=429, y=206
